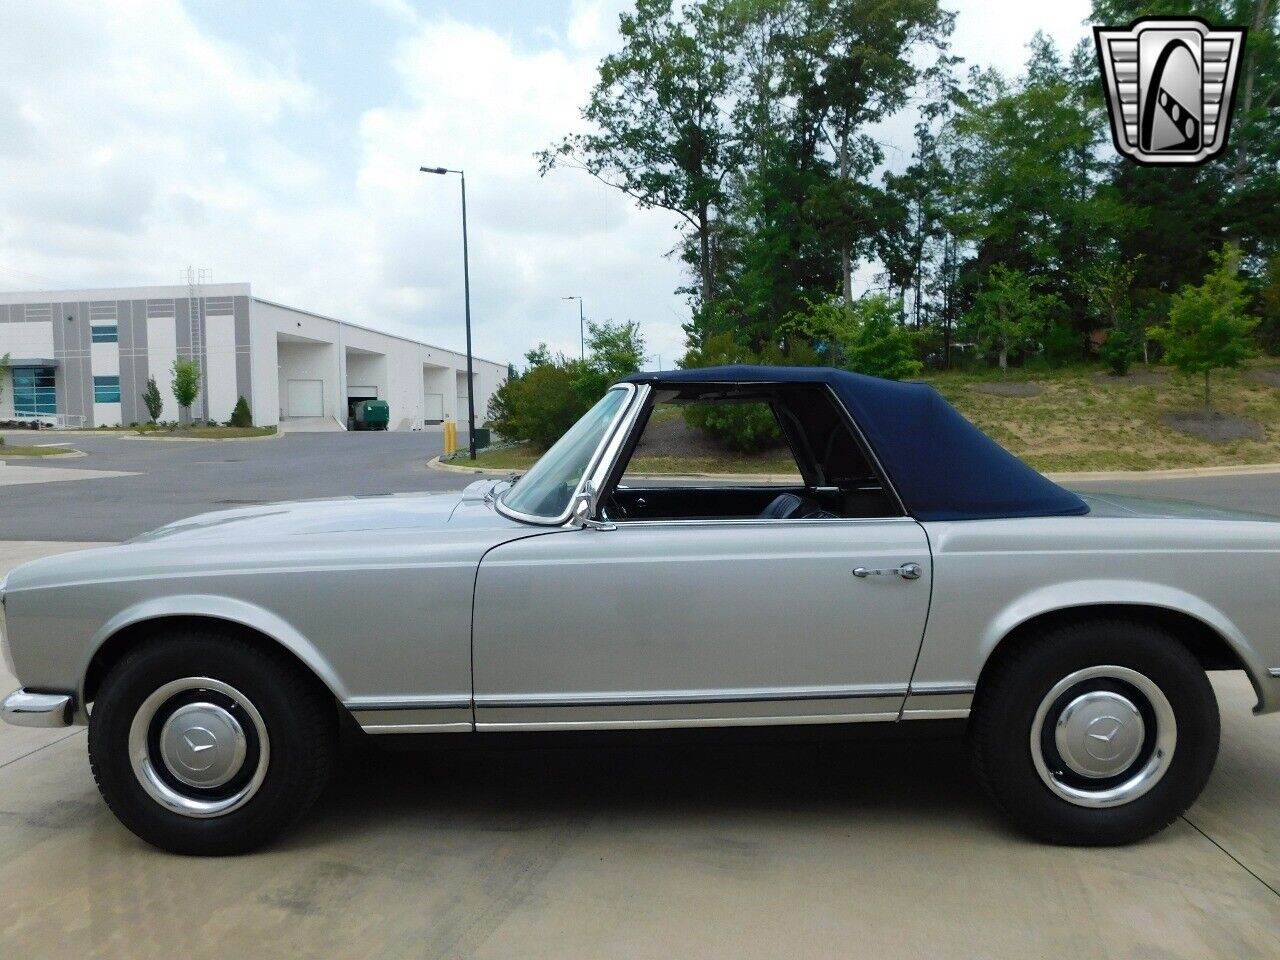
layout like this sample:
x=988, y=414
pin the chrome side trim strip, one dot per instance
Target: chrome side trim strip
x=671, y=723
x=25, y=709
x=690, y=697
x=434, y=714
x=938, y=701
x=940, y=688
x=1275, y=673
x=935, y=714
x=438, y=702
x=458, y=726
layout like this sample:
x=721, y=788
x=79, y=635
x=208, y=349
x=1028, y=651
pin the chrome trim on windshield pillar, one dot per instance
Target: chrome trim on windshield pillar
x=613, y=429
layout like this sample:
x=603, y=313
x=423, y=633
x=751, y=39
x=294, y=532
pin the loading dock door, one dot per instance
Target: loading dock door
x=306, y=398
x=434, y=408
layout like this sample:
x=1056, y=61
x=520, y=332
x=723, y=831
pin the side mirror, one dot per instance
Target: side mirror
x=580, y=516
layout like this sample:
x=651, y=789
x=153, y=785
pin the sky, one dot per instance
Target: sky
x=279, y=143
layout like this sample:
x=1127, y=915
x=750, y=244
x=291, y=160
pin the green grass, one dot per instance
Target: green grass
x=1077, y=424
x=205, y=433
x=522, y=456
x=7, y=451
x=1074, y=425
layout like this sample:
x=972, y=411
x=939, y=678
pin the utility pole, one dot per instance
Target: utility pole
x=466, y=292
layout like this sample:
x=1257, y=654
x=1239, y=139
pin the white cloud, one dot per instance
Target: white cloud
x=133, y=143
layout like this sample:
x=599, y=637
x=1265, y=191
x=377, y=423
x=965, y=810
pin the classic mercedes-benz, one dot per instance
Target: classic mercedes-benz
x=910, y=570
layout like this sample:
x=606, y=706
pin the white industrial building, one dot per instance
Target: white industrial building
x=83, y=357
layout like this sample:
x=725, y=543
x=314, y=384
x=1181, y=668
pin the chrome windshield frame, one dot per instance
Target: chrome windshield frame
x=605, y=445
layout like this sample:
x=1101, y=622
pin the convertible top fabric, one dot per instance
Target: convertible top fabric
x=943, y=467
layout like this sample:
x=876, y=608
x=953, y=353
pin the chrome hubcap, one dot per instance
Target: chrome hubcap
x=202, y=745
x=1103, y=736
x=199, y=747
x=1099, y=734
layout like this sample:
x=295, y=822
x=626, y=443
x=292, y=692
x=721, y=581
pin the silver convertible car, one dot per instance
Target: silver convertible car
x=900, y=567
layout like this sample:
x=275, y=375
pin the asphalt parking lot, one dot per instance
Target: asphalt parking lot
x=818, y=848
x=172, y=479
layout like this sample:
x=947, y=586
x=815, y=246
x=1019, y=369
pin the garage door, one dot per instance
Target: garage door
x=306, y=398
x=434, y=407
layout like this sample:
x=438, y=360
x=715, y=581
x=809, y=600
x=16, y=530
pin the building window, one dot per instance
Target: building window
x=106, y=389
x=34, y=393
x=106, y=334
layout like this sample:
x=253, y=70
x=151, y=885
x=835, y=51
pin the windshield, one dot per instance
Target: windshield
x=545, y=490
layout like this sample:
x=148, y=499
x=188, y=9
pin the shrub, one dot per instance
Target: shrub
x=1120, y=350
x=1207, y=327
x=151, y=397
x=240, y=416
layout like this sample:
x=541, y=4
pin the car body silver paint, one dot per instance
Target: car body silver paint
x=649, y=624
x=990, y=576
x=374, y=595
x=663, y=621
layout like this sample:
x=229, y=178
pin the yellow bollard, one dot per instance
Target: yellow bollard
x=450, y=438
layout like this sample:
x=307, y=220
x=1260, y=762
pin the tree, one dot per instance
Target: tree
x=151, y=397
x=540, y=404
x=186, y=382
x=661, y=118
x=864, y=336
x=1108, y=284
x=240, y=416
x=1207, y=327
x=1008, y=314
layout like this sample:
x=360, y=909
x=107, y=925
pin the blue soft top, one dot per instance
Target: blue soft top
x=943, y=467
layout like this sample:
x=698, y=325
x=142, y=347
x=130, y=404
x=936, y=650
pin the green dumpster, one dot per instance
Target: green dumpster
x=372, y=415
x=482, y=437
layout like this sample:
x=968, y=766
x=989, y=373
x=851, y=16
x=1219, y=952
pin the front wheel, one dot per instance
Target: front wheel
x=205, y=743
x=1096, y=733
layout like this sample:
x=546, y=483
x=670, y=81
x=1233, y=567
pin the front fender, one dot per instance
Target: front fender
x=214, y=607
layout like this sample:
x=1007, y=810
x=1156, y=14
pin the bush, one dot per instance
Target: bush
x=1120, y=350
x=540, y=404
x=240, y=416
x=743, y=427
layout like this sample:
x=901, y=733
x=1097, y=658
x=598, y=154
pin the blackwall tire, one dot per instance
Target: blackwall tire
x=205, y=743
x=1095, y=734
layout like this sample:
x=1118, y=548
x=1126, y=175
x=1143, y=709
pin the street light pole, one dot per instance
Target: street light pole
x=582, y=326
x=466, y=292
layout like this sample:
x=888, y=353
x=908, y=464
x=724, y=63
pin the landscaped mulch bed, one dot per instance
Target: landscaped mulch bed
x=1214, y=426
x=998, y=389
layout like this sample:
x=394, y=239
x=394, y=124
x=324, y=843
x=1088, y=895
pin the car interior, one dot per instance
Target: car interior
x=835, y=475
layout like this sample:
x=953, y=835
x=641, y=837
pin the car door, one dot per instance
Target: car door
x=687, y=623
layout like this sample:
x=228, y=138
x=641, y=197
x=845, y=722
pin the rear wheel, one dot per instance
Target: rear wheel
x=207, y=744
x=1096, y=733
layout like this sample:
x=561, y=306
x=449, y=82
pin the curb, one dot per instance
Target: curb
x=23, y=460
x=1179, y=473
x=1182, y=473
x=147, y=436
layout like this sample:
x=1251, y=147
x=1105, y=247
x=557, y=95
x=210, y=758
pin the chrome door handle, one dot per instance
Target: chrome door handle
x=908, y=571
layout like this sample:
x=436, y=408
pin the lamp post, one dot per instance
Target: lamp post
x=582, y=337
x=466, y=291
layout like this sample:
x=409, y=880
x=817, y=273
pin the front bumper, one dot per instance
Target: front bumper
x=22, y=708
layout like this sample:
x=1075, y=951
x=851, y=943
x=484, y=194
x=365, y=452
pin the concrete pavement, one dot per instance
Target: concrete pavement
x=817, y=849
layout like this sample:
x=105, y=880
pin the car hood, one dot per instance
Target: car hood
x=275, y=521
x=1120, y=505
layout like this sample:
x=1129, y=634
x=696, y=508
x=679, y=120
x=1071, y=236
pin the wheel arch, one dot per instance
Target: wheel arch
x=1214, y=647
x=146, y=620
